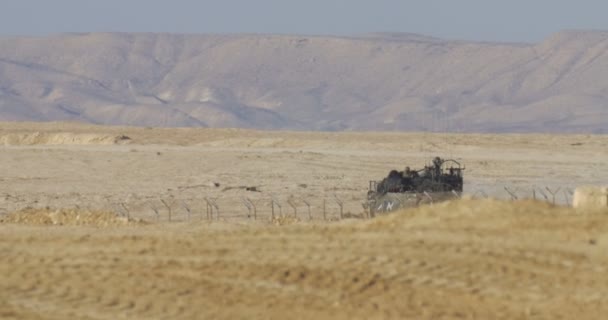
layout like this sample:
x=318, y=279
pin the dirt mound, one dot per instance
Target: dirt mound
x=61, y=138
x=67, y=217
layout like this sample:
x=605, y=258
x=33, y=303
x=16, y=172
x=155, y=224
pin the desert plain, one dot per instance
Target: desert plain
x=115, y=223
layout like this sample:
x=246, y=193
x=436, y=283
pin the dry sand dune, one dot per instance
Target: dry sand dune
x=69, y=252
x=479, y=259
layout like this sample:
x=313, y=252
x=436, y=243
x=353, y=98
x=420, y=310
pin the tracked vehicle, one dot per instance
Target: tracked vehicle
x=440, y=181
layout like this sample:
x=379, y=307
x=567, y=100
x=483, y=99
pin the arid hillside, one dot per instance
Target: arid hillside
x=372, y=82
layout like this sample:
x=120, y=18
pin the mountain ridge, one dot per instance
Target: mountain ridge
x=387, y=81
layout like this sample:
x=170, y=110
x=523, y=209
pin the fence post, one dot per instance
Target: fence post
x=122, y=204
x=155, y=209
x=255, y=210
x=324, y=210
x=208, y=209
x=292, y=204
x=275, y=201
x=308, y=206
x=210, y=205
x=247, y=206
x=185, y=206
x=372, y=208
x=168, y=208
x=341, y=204
x=217, y=208
x=512, y=193
x=553, y=193
x=567, y=193
x=542, y=193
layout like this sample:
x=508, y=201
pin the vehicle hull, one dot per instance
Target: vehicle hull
x=390, y=202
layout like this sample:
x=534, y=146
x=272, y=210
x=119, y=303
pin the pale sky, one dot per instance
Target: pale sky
x=486, y=20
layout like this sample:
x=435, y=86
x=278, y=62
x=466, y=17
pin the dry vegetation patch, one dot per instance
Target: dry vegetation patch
x=468, y=259
x=522, y=213
x=68, y=217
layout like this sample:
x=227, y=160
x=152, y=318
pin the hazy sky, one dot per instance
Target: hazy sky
x=492, y=20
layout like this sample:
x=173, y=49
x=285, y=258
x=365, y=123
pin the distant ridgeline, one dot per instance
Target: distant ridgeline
x=373, y=82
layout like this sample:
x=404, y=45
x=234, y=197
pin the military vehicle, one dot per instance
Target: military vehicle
x=440, y=181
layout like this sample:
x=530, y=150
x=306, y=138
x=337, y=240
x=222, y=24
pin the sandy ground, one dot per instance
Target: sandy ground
x=474, y=259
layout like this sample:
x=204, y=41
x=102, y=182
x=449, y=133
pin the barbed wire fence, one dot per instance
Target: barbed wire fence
x=553, y=195
x=270, y=206
x=265, y=207
x=328, y=207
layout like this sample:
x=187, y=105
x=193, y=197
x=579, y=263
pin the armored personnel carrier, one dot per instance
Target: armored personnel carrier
x=442, y=180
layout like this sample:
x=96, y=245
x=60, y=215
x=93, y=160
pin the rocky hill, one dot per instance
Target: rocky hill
x=371, y=82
